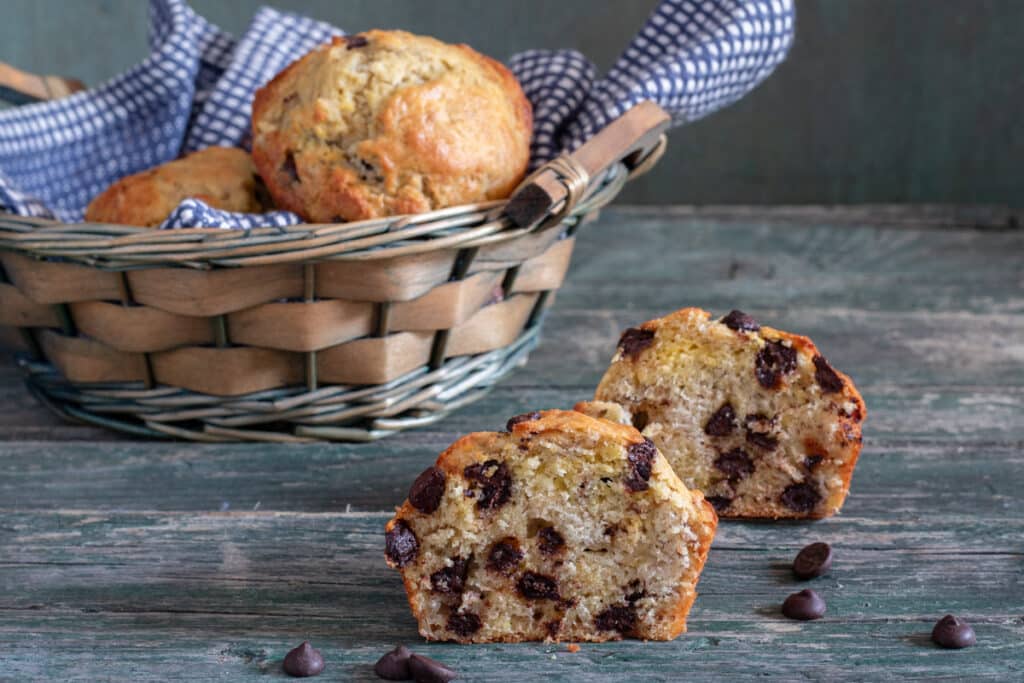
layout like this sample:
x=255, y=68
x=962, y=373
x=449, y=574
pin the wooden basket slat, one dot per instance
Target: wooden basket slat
x=492, y=327
x=375, y=360
x=215, y=292
x=227, y=372
x=401, y=278
x=513, y=252
x=13, y=339
x=85, y=360
x=547, y=271
x=140, y=329
x=445, y=306
x=51, y=282
x=17, y=310
x=302, y=326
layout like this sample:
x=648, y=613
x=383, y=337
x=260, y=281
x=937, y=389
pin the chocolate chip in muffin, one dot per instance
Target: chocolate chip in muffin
x=826, y=376
x=800, y=497
x=289, y=168
x=774, y=360
x=641, y=457
x=400, y=544
x=504, y=556
x=303, y=662
x=804, y=606
x=720, y=503
x=736, y=464
x=356, y=41
x=640, y=420
x=813, y=560
x=427, y=670
x=525, y=417
x=759, y=428
x=740, y=321
x=953, y=633
x=634, y=340
x=812, y=461
x=620, y=617
x=721, y=422
x=451, y=579
x=538, y=587
x=550, y=541
x=426, y=492
x=494, y=481
x=394, y=665
x=463, y=623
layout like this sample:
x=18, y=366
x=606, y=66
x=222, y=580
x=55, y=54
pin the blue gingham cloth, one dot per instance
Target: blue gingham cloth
x=196, y=89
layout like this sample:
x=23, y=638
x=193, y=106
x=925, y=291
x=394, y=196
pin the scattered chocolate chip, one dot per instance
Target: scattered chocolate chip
x=634, y=340
x=619, y=617
x=303, y=662
x=641, y=457
x=553, y=627
x=800, y=497
x=451, y=579
x=495, y=483
x=427, y=670
x=525, y=417
x=538, y=587
x=953, y=633
x=759, y=428
x=720, y=503
x=426, y=492
x=804, y=606
x=812, y=461
x=814, y=560
x=550, y=541
x=740, y=321
x=289, y=169
x=291, y=97
x=640, y=420
x=826, y=377
x=463, y=623
x=504, y=555
x=736, y=464
x=722, y=422
x=358, y=40
x=636, y=591
x=400, y=544
x=774, y=360
x=394, y=666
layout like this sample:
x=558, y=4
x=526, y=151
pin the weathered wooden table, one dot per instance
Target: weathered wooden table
x=127, y=560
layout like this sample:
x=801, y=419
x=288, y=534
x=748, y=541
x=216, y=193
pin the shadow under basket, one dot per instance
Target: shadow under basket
x=344, y=332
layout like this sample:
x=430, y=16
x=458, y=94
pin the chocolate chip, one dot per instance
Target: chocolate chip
x=495, y=483
x=427, y=670
x=289, y=169
x=720, y=503
x=525, y=417
x=303, y=661
x=394, y=666
x=504, y=555
x=451, y=579
x=553, y=627
x=759, y=431
x=814, y=560
x=463, y=623
x=953, y=633
x=722, y=422
x=619, y=617
x=636, y=591
x=537, y=586
x=550, y=541
x=736, y=464
x=641, y=457
x=358, y=40
x=640, y=420
x=740, y=321
x=774, y=360
x=426, y=492
x=804, y=606
x=400, y=544
x=812, y=461
x=634, y=340
x=800, y=497
x=826, y=376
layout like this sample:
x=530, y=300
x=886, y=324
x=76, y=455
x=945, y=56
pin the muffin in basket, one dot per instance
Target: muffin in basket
x=387, y=122
x=223, y=177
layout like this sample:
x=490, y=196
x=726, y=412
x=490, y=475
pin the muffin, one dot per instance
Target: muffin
x=386, y=122
x=223, y=177
x=563, y=527
x=755, y=417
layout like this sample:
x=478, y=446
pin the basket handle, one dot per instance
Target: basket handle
x=21, y=87
x=637, y=139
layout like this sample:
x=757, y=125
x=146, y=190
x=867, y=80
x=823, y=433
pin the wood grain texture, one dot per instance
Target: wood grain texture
x=158, y=561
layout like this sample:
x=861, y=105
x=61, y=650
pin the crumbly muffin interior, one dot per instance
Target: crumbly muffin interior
x=557, y=535
x=754, y=417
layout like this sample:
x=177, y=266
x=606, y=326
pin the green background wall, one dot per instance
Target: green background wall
x=880, y=100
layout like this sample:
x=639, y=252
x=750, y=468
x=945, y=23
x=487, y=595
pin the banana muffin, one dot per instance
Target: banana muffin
x=753, y=416
x=387, y=122
x=564, y=527
x=223, y=177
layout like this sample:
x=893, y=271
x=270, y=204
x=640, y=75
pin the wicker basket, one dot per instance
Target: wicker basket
x=342, y=332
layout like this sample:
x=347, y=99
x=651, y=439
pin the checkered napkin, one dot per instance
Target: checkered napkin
x=196, y=88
